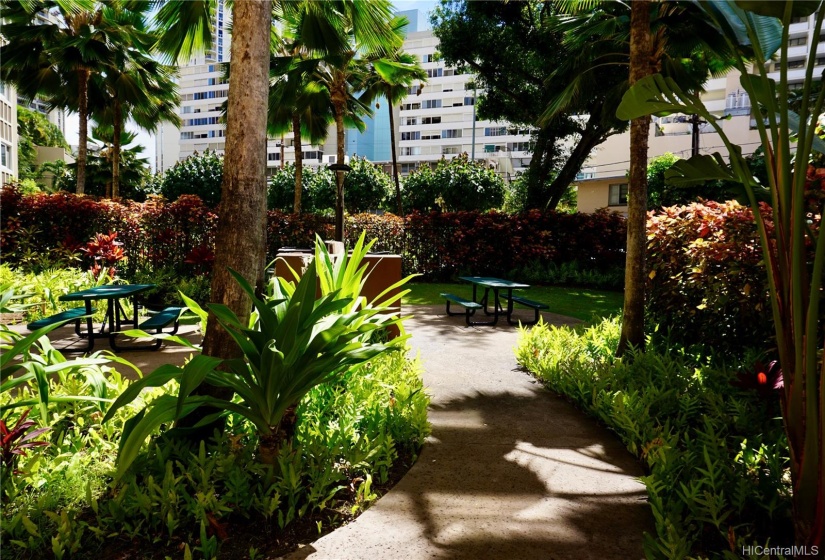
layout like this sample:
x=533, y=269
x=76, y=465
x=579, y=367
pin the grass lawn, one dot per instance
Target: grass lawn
x=581, y=303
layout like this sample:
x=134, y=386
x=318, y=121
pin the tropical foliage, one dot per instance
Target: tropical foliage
x=455, y=184
x=714, y=455
x=199, y=174
x=795, y=275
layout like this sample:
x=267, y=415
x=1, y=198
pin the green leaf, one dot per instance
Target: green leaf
x=698, y=170
x=776, y=8
x=158, y=378
x=652, y=95
x=194, y=372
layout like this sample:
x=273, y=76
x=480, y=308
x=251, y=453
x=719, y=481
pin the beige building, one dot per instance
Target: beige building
x=602, y=183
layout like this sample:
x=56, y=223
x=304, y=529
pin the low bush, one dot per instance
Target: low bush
x=199, y=174
x=707, y=284
x=715, y=453
x=455, y=184
x=571, y=274
x=350, y=437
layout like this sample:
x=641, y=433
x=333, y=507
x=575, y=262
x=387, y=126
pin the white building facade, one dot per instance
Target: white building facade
x=8, y=134
x=439, y=121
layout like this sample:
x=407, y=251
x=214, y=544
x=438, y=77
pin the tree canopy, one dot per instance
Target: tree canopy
x=513, y=48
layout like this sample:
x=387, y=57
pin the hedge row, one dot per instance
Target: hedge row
x=707, y=282
x=44, y=230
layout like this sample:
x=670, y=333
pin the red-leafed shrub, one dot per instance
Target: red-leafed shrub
x=180, y=236
x=707, y=283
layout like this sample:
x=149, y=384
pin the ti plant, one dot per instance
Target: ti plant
x=16, y=440
x=295, y=342
x=757, y=30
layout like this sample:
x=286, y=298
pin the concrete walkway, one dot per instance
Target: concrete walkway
x=510, y=472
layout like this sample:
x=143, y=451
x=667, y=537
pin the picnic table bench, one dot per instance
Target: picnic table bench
x=501, y=289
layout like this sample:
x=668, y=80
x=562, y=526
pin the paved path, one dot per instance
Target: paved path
x=510, y=472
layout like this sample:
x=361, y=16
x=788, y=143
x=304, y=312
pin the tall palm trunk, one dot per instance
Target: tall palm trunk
x=399, y=205
x=633, y=328
x=117, y=129
x=339, y=102
x=299, y=161
x=240, y=239
x=83, y=125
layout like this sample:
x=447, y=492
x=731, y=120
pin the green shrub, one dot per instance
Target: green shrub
x=715, y=454
x=571, y=274
x=200, y=175
x=349, y=436
x=707, y=283
x=455, y=184
x=366, y=187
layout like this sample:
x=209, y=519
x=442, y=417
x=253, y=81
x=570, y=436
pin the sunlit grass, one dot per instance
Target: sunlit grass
x=581, y=303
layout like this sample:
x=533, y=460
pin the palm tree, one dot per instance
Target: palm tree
x=296, y=102
x=240, y=239
x=391, y=78
x=672, y=38
x=52, y=59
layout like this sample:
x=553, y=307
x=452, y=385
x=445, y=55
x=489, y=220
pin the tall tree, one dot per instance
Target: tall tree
x=391, y=78
x=641, y=60
x=136, y=86
x=296, y=101
x=56, y=56
x=516, y=51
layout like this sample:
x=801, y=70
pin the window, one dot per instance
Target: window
x=431, y=136
x=187, y=109
x=618, y=195
x=519, y=146
x=820, y=61
x=493, y=148
x=435, y=72
x=408, y=167
x=796, y=63
x=469, y=100
x=452, y=133
x=312, y=155
x=5, y=155
x=411, y=121
x=411, y=135
x=273, y=157
x=431, y=120
x=432, y=104
x=427, y=58
x=450, y=150
x=801, y=19
x=410, y=106
x=411, y=151
x=798, y=41
x=495, y=131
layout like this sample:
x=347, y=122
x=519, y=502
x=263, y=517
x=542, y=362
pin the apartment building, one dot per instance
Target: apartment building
x=438, y=119
x=602, y=183
x=8, y=134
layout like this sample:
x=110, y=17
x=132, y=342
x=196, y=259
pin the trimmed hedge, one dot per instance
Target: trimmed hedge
x=180, y=235
x=707, y=282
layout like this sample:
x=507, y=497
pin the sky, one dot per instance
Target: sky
x=148, y=140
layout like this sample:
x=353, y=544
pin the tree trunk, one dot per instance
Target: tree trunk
x=593, y=135
x=241, y=233
x=633, y=328
x=299, y=161
x=399, y=205
x=283, y=151
x=117, y=129
x=339, y=175
x=83, y=125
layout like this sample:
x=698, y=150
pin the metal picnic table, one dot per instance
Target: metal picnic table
x=115, y=314
x=496, y=285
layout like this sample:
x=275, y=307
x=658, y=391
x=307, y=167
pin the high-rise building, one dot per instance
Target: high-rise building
x=8, y=133
x=439, y=120
x=602, y=182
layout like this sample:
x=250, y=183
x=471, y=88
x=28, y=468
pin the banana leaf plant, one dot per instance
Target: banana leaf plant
x=296, y=341
x=795, y=277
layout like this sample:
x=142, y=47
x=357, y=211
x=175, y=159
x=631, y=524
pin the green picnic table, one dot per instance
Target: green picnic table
x=501, y=289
